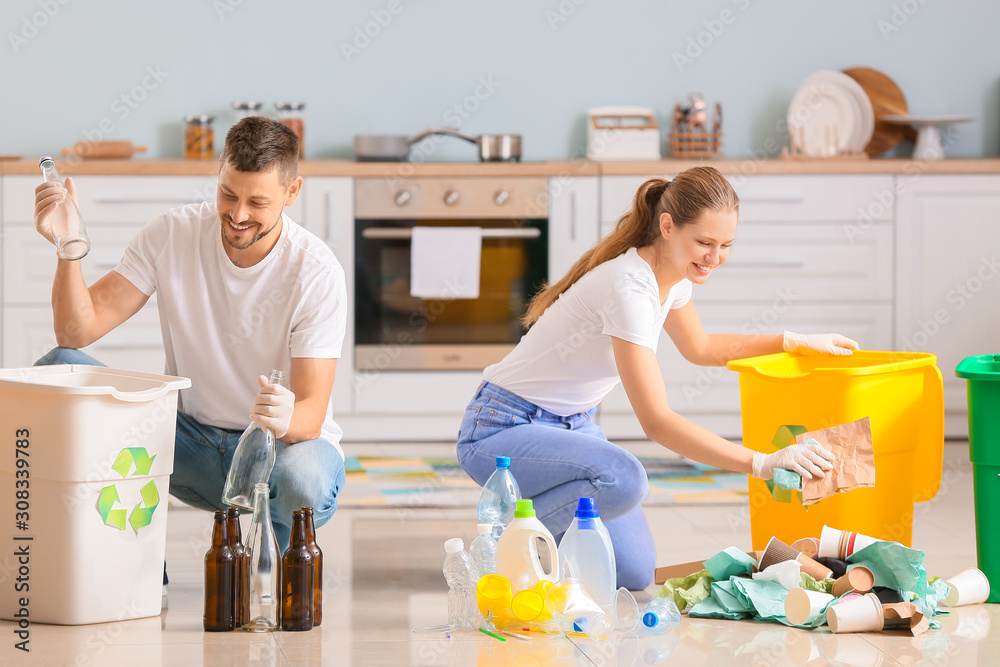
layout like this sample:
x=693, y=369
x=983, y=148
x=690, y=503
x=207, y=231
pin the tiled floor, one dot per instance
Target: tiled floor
x=383, y=580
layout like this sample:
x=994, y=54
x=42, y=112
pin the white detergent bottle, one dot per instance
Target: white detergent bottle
x=517, y=550
x=585, y=552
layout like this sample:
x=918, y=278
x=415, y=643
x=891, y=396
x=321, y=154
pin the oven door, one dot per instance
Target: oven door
x=397, y=331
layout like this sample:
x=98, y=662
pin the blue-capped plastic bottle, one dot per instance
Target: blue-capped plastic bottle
x=660, y=615
x=586, y=552
x=498, y=499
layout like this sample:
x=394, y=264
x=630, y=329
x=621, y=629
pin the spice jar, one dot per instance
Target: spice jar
x=199, y=139
x=290, y=115
x=245, y=109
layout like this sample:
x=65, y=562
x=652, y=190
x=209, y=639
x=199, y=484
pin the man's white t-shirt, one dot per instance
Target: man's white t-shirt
x=224, y=325
x=565, y=363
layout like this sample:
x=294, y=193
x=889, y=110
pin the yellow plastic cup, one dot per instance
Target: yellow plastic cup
x=493, y=595
x=542, y=588
x=527, y=605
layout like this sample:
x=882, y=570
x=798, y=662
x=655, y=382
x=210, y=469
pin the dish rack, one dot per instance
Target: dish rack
x=694, y=144
x=800, y=151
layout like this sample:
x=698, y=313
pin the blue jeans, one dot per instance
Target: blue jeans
x=306, y=474
x=556, y=461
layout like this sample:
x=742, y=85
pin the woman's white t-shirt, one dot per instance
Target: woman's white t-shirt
x=224, y=325
x=565, y=363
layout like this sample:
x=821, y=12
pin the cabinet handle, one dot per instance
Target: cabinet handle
x=791, y=263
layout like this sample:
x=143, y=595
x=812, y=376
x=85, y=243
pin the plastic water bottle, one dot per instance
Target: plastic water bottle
x=461, y=575
x=660, y=615
x=585, y=551
x=484, y=550
x=498, y=498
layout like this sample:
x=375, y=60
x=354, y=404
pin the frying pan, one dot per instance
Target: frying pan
x=382, y=147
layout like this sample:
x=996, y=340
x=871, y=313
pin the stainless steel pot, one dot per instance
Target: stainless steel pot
x=492, y=147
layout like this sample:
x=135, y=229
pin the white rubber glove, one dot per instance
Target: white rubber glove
x=273, y=406
x=830, y=343
x=809, y=460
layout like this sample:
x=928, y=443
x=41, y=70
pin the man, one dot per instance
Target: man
x=241, y=289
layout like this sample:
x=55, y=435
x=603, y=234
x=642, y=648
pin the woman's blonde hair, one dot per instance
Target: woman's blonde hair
x=691, y=192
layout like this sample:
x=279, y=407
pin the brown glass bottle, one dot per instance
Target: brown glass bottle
x=317, y=566
x=297, y=579
x=241, y=580
x=220, y=568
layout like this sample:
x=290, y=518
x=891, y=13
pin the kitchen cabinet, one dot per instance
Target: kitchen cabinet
x=947, y=265
x=798, y=263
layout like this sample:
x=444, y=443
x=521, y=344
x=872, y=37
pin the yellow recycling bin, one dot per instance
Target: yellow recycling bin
x=902, y=395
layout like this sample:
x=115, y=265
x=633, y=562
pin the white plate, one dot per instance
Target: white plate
x=830, y=114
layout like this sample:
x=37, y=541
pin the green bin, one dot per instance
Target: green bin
x=983, y=376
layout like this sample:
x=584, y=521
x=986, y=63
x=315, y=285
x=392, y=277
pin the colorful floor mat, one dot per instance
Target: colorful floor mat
x=440, y=482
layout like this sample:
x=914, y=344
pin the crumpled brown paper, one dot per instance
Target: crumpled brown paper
x=904, y=616
x=854, y=460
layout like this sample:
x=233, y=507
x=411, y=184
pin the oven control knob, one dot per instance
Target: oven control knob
x=501, y=197
x=451, y=197
x=402, y=197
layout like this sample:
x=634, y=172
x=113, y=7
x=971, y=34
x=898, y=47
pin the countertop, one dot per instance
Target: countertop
x=565, y=168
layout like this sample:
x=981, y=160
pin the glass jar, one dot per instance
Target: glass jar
x=290, y=115
x=245, y=109
x=199, y=138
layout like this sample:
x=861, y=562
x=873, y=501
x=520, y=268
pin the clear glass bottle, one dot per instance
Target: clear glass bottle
x=297, y=579
x=264, y=604
x=220, y=570
x=68, y=232
x=317, y=566
x=199, y=138
x=290, y=115
x=252, y=460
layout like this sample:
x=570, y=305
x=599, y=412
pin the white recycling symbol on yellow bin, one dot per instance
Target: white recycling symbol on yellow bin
x=130, y=458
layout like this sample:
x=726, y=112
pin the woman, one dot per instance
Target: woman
x=599, y=325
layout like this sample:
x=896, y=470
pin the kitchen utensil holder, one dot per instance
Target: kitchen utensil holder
x=694, y=144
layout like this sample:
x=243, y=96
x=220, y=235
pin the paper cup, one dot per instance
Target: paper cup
x=859, y=578
x=814, y=568
x=967, y=587
x=862, y=614
x=807, y=545
x=840, y=544
x=802, y=605
x=776, y=552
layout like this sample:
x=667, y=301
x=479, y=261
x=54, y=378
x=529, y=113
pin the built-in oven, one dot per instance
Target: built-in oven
x=395, y=330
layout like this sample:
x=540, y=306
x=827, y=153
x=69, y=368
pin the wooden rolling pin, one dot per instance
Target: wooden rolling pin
x=103, y=149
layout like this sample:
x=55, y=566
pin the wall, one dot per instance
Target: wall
x=118, y=69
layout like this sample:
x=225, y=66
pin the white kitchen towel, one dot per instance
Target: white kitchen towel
x=444, y=262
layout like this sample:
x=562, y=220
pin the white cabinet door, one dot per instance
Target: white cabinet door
x=136, y=345
x=710, y=395
x=329, y=214
x=948, y=288
x=573, y=223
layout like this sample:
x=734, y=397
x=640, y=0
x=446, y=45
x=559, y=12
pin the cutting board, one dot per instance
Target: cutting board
x=887, y=100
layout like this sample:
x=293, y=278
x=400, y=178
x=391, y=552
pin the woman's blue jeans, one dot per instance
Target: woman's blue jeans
x=556, y=461
x=306, y=474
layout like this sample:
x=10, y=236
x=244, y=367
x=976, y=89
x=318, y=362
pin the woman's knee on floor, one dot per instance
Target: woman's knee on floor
x=622, y=487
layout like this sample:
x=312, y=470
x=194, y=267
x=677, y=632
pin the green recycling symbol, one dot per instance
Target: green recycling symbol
x=142, y=514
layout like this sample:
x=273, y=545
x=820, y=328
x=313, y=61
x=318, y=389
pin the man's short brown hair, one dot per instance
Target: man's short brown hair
x=257, y=144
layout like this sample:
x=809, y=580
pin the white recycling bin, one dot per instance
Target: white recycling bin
x=86, y=454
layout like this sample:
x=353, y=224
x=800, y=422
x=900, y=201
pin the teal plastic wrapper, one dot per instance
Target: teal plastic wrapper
x=787, y=479
x=893, y=565
x=711, y=608
x=725, y=595
x=766, y=597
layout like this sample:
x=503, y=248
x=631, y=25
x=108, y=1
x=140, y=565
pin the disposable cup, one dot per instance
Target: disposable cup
x=807, y=545
x=802, y=605
x=967, y=587
x=493, y=594
x=859, y=578
x=623, y=610
x=813, y=568
x=570, y=598
x=527, y=605
x=840, y=544
x=862, y=614
x=776, y=552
